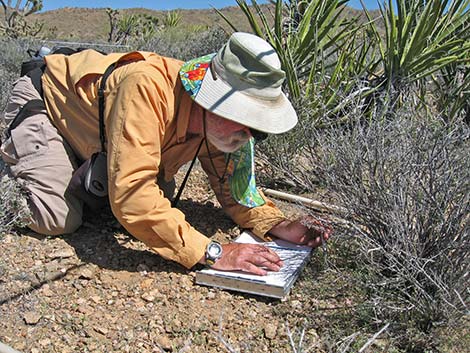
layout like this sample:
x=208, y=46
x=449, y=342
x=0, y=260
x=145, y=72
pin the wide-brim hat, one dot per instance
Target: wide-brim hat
x=242, y=82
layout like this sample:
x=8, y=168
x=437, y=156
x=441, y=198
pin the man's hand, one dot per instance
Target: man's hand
x=306, y=231
x=252, y=258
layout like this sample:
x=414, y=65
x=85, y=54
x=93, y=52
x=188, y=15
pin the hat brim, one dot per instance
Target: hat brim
x=270, y=116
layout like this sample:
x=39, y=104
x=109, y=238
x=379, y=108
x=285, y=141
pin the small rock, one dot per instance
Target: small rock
x=315, y=341
x=123, y=277
x=7, y=239
x=148, y=297
x=45, y=342
x=32, y=317
x=84, y=309
x=296, y=304
x=103, y=330
x=96, y=299
x=34, y=350
x=139, y=304
x=86, y=273
x=270, y=331
x=211, y=295
x=46, y=291
x=61, y=254
x=146, y=283
x=186, y=282
x=164, y=342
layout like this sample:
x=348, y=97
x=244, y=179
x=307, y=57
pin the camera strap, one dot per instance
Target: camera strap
x=101, y=104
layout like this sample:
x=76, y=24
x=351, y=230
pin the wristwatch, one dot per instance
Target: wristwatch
x=213, y=252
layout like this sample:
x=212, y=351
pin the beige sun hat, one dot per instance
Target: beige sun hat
x=242, y=83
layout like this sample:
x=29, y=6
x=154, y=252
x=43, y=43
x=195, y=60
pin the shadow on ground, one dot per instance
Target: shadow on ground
x=103, y=242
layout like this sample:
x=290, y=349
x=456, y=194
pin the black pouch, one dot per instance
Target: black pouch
x=90, y=181
x=96, y=176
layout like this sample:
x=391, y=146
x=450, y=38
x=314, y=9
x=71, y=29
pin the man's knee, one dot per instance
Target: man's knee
x=45, y=221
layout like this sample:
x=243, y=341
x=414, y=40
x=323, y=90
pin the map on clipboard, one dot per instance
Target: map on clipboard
x=274, y=284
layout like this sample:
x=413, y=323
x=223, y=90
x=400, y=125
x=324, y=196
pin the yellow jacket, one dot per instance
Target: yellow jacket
x=146, y=116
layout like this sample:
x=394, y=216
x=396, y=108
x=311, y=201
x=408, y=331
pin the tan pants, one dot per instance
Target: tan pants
x=42, y=161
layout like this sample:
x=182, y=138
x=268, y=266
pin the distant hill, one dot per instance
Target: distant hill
x=87, y=24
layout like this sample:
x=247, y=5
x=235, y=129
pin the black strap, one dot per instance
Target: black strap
x=183, y=184
x=101, y=89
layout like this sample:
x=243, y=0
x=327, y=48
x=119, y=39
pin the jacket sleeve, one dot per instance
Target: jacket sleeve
x=137, y=108
x=258, y=219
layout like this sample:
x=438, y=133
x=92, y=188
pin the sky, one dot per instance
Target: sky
x=166, y=4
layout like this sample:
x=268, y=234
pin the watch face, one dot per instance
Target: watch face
x=214, y=250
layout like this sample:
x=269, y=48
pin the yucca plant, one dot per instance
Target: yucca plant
x=326, y=58
x=172, y=19
x=452, y=92
x=421, y=38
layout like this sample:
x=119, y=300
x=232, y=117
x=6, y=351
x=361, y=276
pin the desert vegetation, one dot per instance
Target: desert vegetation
x=383, y=101
x=381, y=134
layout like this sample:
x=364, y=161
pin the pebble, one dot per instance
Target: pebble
x=150, y=296
x=46, y=291
x=7, y=239
x=45, y=342
x=103, y=330
x=32, y=317
x=86, y=273
x=270, y=331
x=146, y=283
x=296, y=304
x=61, y=254
x=315, y=339
x=84, y=309
x=164, y=342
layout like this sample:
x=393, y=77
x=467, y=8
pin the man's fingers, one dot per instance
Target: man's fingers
x=265, y=262
x=271, y=255
x=315, y=242
x=252, y=258
x=249, y=267
x=268, y=253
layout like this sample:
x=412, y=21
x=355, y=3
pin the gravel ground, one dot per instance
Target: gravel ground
x=101, y=290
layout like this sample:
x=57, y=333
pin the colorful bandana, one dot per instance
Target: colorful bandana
x=192, y=73
x=241, y=176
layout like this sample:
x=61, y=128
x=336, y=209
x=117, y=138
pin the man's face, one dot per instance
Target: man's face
x=226, y=135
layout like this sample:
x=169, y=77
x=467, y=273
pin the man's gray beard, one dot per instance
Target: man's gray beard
x=222, y=146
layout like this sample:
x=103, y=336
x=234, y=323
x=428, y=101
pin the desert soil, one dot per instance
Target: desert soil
x=101, y=290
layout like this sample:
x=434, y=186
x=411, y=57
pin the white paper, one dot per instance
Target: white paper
x=291, y=254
